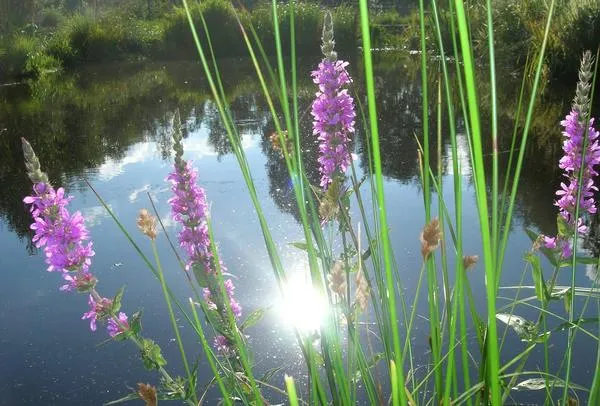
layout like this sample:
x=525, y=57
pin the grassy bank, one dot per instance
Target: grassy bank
x=66, y=41
x=519, y=32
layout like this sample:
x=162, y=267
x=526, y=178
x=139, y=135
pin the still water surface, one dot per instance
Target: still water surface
x=111, y=126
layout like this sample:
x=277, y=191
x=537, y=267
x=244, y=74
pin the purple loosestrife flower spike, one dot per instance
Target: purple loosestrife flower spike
x=190, y=209
x=118, y=326
x=63, y=235
x=581, y=154
x=332, y=110
x=99, y=308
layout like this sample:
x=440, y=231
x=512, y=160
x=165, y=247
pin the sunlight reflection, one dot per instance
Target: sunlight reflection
x=302, y=306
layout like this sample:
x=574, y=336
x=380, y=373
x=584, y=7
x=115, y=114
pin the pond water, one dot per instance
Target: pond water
x=110, y=125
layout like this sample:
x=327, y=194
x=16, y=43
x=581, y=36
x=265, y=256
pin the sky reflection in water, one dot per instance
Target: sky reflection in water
x=46, y=352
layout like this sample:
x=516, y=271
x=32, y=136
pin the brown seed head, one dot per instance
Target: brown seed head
x=362, y=291
x=469, y=261
x=337, y=279
x=430, y=237
x=147, y=223
x=147, y=393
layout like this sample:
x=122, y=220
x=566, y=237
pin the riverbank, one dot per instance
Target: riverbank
x=64, y=42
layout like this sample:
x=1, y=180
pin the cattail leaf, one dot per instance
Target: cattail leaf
x=253, y=318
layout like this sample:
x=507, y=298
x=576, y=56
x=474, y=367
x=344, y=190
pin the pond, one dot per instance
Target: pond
x=111, y=126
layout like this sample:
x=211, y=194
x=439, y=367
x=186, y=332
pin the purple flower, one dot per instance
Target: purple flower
x=571, y=164
x=82, y=282
x=222, y=344
x=115, y=328
x=98, y=310
x=190, y=209
x=63, y=235
x=333, y=113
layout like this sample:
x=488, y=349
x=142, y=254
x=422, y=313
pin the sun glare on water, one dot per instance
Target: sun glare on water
x=302, y=306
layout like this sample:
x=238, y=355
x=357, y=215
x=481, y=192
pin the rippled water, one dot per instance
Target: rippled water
x=110, y=125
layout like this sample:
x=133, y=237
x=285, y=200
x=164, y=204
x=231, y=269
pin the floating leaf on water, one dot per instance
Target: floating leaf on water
x=540, y=383
x=526, y=330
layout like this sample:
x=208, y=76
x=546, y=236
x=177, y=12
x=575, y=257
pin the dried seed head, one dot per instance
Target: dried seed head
x=32, y=163
x=337, y=279
x=430, y=237
x=277, y=145
x=327, y=41
x=362, y=291
x=147, y=393
x=469, y=261
x=147, y=223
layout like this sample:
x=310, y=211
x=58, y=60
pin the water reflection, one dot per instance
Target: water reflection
x=112, y=125
x=302, y=306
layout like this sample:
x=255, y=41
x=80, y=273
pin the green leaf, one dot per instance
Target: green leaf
x=200, y=274
x=580, y=260
x=538, y=277
x=253, y=318
x=566, y=325
x=152, y=355
x=562, y=227
x=116, y=303
x=135, y=323
x=270, y=374
x=567, y=299
x=549, y=254
x=127, y=398
x=301, y=245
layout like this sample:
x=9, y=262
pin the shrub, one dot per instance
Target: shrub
x=24, y=56
x=220, y=18
x=51, y=18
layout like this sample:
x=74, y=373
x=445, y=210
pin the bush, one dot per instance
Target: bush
x=25, y=56
x=220, y=18
x=110, y=38
x=50, y=19
x=308, y=24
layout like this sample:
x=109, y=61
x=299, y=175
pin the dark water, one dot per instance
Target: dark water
x=111, y=126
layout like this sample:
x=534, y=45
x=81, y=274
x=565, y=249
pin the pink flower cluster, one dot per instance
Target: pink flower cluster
x=571, y=163
x=333, y=113
x=190, y=209
x=67, y=249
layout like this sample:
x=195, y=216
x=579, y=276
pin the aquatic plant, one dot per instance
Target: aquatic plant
x=353, y=268
x=332, y=109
